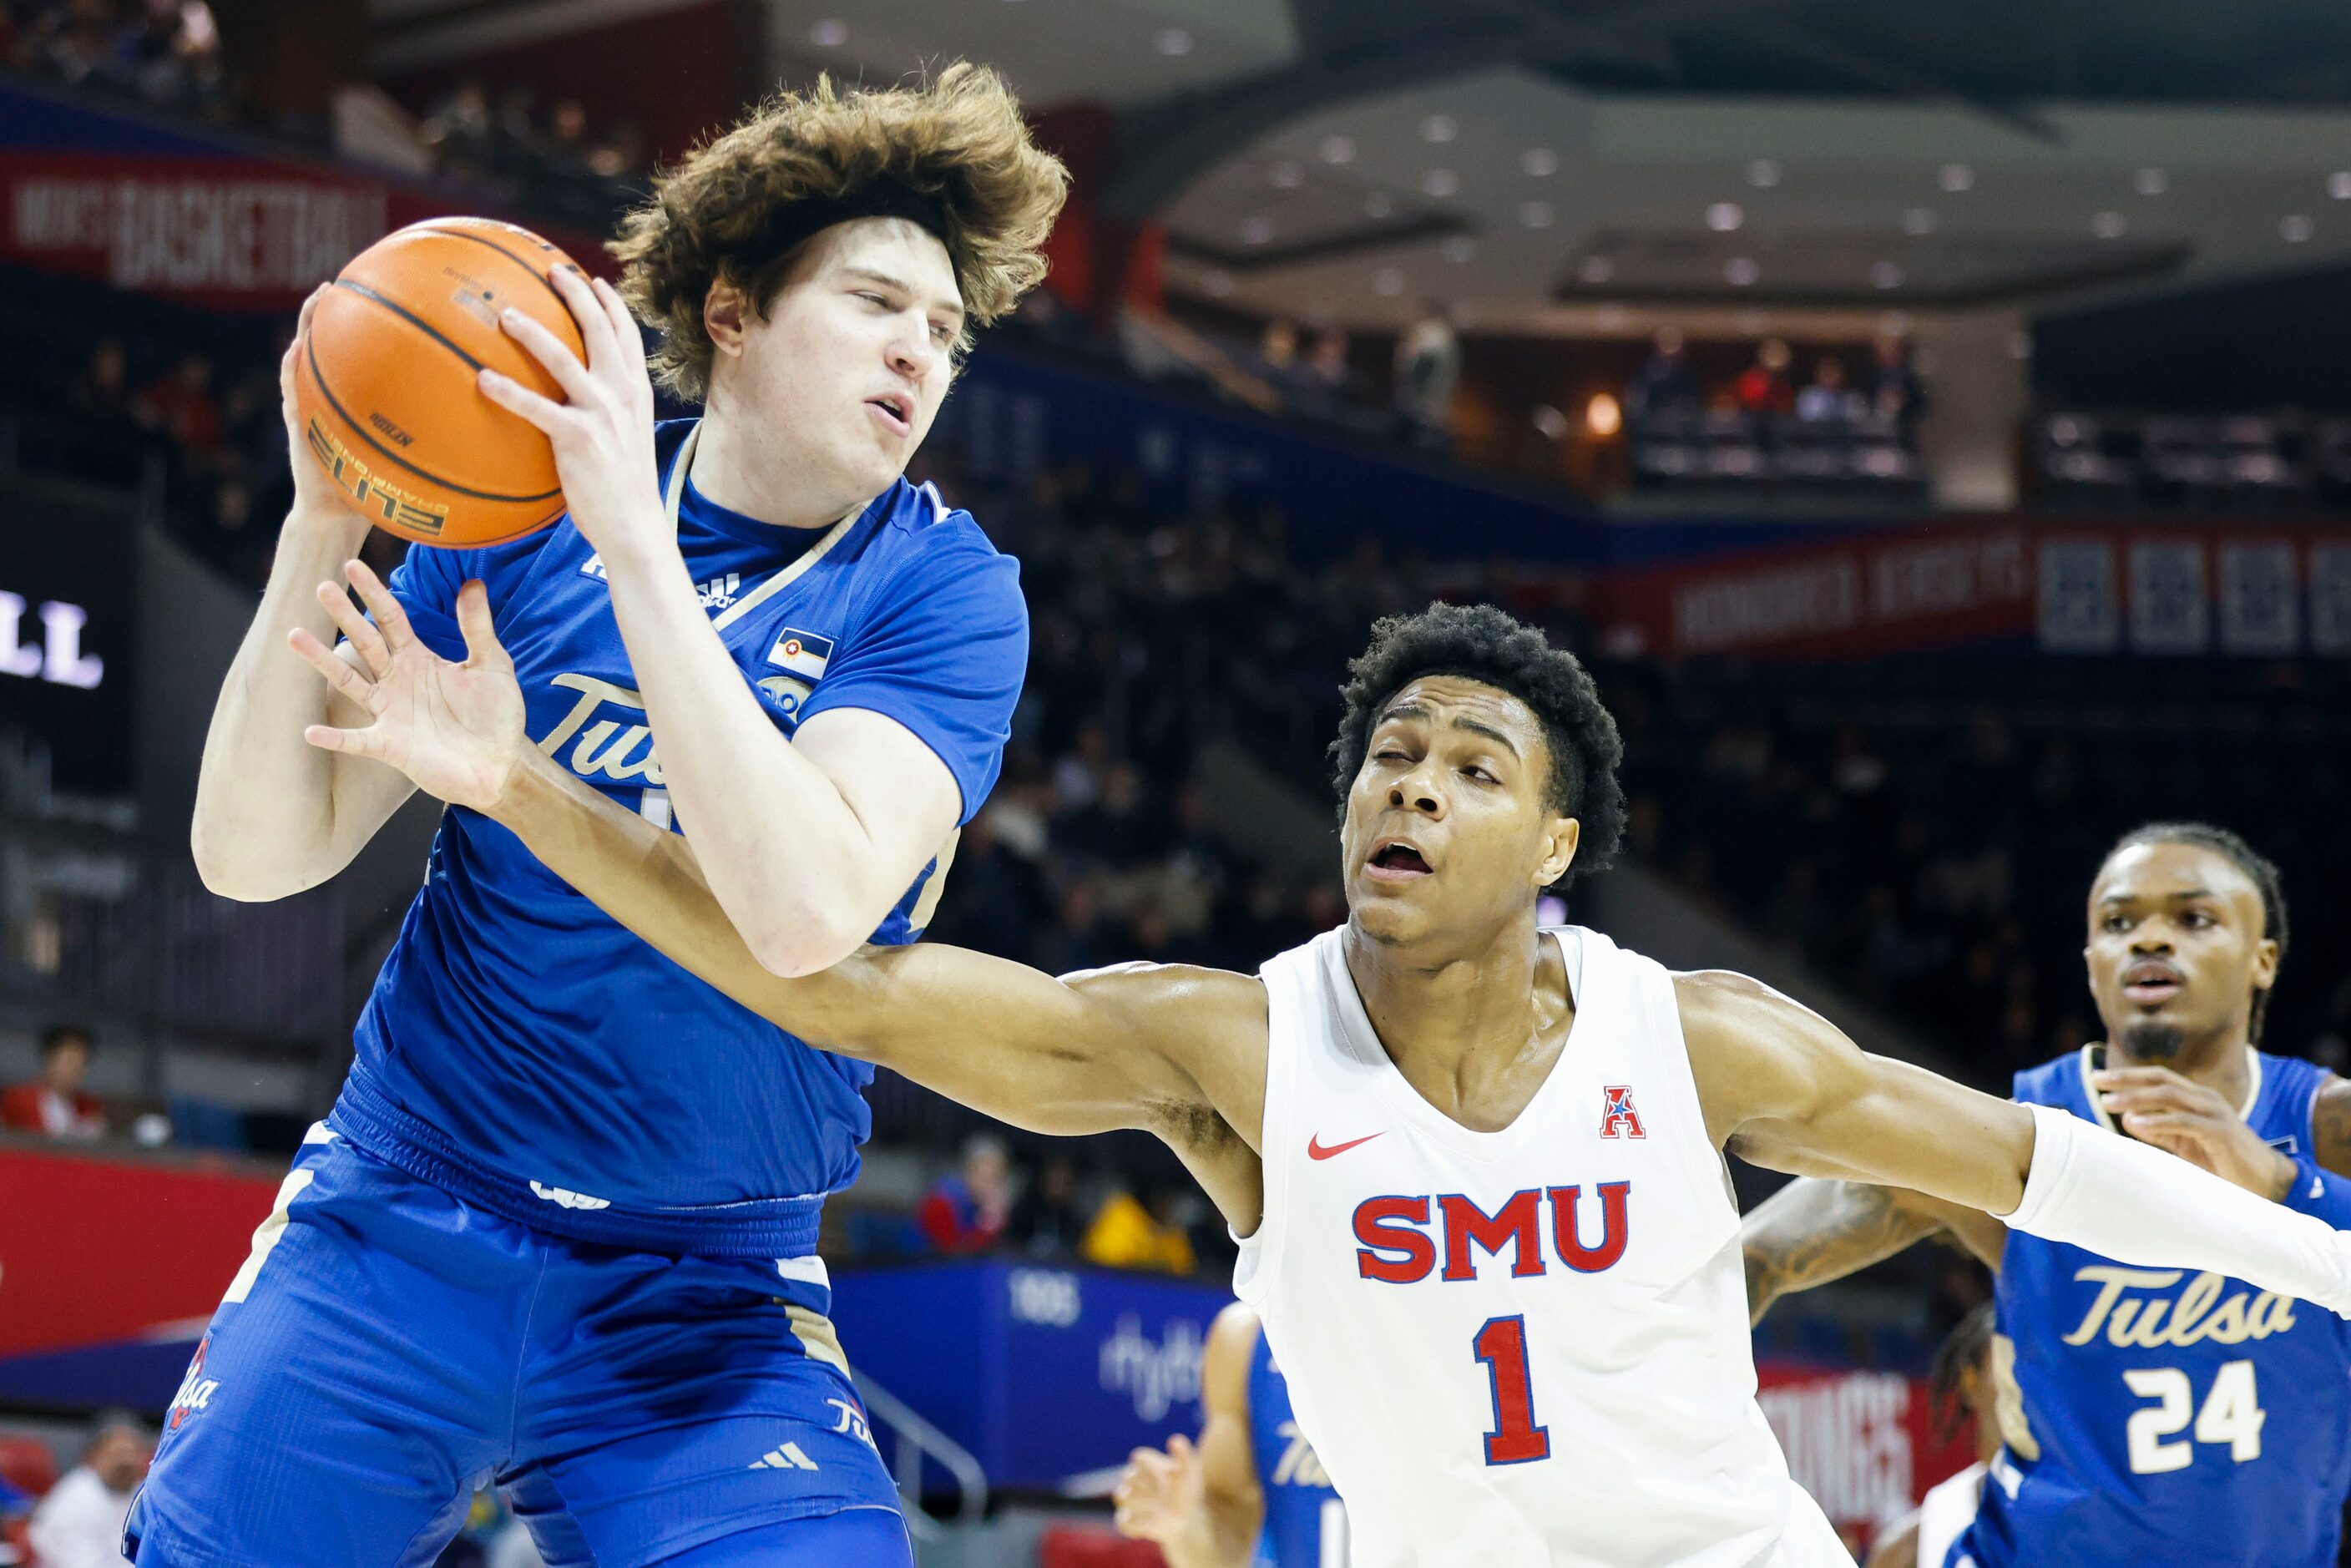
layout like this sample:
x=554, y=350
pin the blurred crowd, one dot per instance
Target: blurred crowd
x=164, y=53
x=73, y=1520
x=1926, y=831
x=215, y=427
x=1837, y=427
x=547, y=157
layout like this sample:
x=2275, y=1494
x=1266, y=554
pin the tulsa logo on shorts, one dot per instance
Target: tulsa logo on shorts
x=196, y=1390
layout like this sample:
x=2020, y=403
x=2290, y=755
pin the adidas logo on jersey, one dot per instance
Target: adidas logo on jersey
x=719, y=591
x=564, y=1197
x=1396, y=1250
x=787, y=1458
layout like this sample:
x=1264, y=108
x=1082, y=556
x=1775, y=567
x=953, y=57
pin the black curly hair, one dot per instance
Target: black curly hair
x=1962, y=1350
x=1479, y=642
x=2259, y=869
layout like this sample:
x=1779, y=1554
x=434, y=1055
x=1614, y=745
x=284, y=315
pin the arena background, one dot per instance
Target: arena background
x=1929, y=422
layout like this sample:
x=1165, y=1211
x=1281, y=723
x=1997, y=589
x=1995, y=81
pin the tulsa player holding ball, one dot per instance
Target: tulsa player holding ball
x=559, y=1230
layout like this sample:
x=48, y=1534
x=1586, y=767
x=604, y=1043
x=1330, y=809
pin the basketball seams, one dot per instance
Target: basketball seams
x=319, y=378
x=412, y=318
x=489, y=244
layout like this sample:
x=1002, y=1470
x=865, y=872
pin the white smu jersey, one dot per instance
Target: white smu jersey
x=1524, y=1347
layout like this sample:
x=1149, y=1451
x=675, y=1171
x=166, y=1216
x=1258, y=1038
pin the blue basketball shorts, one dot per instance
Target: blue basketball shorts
x=388, y=1348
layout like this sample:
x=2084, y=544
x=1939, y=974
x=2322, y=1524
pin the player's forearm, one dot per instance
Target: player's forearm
x=785, y=856
x=1016, y=1044
x=2130, y=1202
x=1215, y=1537
x=654, y=883
x=1814, y=1230
x=267, y=822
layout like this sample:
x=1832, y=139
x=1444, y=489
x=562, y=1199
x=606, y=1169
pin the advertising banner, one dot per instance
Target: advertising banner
x=2066, y=587
x=110, y=1268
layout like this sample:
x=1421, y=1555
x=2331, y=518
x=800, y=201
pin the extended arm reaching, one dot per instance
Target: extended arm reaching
x=1126, y=1047
x=1786, y=1090
x=1812, y=1231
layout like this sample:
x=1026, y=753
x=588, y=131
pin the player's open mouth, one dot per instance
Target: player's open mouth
x=1393, y=860
x=2151, y=985
x=894, y=411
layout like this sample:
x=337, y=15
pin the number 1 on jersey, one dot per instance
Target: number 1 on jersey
x=1502, y=1344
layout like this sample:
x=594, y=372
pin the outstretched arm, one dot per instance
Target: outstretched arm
x=1812, y=1231
x=1784, y=1089
x=1165, y=1049
x=1086, y=1053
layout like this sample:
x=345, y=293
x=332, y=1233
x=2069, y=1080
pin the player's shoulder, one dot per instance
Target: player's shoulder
x=2061, y=1081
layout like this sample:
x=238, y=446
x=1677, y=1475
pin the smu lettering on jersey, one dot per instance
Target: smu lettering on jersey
x=1305, y=1523
x=1525, y=1347
x=2156, y=1415
x=524, y=1051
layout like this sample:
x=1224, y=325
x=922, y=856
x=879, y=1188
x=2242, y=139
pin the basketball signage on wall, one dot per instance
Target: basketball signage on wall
x=227, y=233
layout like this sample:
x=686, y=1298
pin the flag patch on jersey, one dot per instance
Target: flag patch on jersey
x=801, y=654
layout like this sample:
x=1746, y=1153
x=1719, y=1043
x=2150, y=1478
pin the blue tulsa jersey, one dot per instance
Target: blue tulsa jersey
x=1305, y=1525
x=2161, y=1417
x=525, y=1051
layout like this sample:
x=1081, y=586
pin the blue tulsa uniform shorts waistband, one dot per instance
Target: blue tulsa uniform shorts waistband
x=387, y=1348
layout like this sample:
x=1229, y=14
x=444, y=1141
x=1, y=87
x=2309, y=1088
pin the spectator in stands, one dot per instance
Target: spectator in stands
x=79, y=1523
x=180, y=404
x=459, y=129
x=1277, y=350
x=965, y=1212
x=1665, y=384
x=1764, y=387
x=102, y=393
x=1894, y=391
x=1826, y=400
x=171, y=54
x=1127, y=1235
x=77, y=43
x=57, y=1105
x=1046, y=1220
x=1326, y=381
x=1427, y=375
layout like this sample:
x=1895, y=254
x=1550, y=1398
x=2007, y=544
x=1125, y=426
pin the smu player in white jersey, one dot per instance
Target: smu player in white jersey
x=2147, y=1416
x=559, y=1231
x=1475, y=1164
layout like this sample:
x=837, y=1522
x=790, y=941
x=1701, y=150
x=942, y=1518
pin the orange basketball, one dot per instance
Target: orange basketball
x=385, y=382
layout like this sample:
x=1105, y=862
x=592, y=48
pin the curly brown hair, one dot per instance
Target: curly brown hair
x=957, y=140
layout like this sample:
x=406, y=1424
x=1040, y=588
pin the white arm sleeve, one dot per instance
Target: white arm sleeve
x=2137, y=1205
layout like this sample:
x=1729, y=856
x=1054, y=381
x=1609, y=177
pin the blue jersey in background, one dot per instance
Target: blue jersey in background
x=2167, y=1418
x=1305, y=1523
x=525, y=1052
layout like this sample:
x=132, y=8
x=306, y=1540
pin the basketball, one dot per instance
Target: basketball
x=385, y=382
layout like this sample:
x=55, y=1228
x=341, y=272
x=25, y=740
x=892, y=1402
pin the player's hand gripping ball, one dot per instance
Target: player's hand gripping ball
x=386, y=381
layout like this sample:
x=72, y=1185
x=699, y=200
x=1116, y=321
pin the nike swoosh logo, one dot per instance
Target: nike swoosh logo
x=1317, y=1150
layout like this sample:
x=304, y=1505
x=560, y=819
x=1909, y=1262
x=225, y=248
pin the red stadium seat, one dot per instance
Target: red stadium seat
x=1093, y=1546
x=28, y=1464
